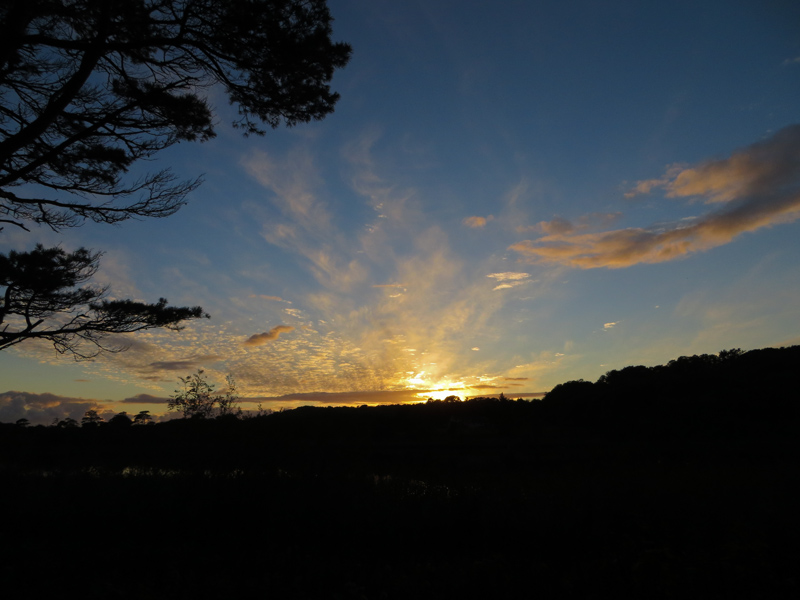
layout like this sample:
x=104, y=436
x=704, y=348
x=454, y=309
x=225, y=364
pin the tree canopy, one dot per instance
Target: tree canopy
x=41, y=300
x=197, y=399
x=88, y=87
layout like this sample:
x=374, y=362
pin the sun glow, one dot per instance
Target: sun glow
x=437, y=389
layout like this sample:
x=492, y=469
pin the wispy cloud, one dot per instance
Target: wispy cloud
x=292, y=182
x=509, y=279
x=648, y=185
x=389, y=302
x=259, y=339
x=186, y=364
x=561, y=226
x=758, y=185
x=274, y=298
x=305, y=226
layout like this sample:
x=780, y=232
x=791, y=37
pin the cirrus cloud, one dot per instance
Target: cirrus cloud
x=759, y=186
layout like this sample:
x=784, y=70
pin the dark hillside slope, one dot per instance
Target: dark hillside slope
x=704, y=394
x=677, y=481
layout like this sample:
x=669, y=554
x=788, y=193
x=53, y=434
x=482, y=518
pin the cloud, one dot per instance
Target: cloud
x=556, y=226
x=292, y=182
x=259, y=339
x=275, y=298
x=509, y=279
x=610, y=325
x=560, y=225
x=648, y=185
x=192, y=362
x=759, y=186
x=43, y=409
x=184, y=364
x=477, y=222
x=510, y=275
x=346, y=398
x=145, y=399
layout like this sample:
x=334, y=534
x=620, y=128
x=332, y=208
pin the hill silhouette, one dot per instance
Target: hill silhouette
x=678, y=480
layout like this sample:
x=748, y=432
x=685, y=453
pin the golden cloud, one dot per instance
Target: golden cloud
x=509, y=275
x=477, y=222
x=509, y=279
x=760, y=186
x=259, y=339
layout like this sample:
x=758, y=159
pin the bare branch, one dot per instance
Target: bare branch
x=88, y=87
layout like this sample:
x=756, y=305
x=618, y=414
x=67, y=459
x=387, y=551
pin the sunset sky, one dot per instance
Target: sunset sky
x=508, y=196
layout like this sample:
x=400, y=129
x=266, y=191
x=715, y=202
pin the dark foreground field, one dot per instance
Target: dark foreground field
x=487, y=498
x=467, y=516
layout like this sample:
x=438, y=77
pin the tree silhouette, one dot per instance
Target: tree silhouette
x=198, y=401
x=41, y=300
x=120, y=420
x=228, y=404
x=143, y=418
x=91, y=419
x=89, y=87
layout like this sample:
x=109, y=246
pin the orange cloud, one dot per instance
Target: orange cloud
x=477, y=222
x=259, y=339
x=760, y=186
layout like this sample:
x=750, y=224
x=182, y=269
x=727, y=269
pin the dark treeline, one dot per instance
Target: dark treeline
x=672, y=481
x=734, y=395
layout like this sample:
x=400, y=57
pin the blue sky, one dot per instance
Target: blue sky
x=509, y=195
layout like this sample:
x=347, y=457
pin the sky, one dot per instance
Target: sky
x=508, y=196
